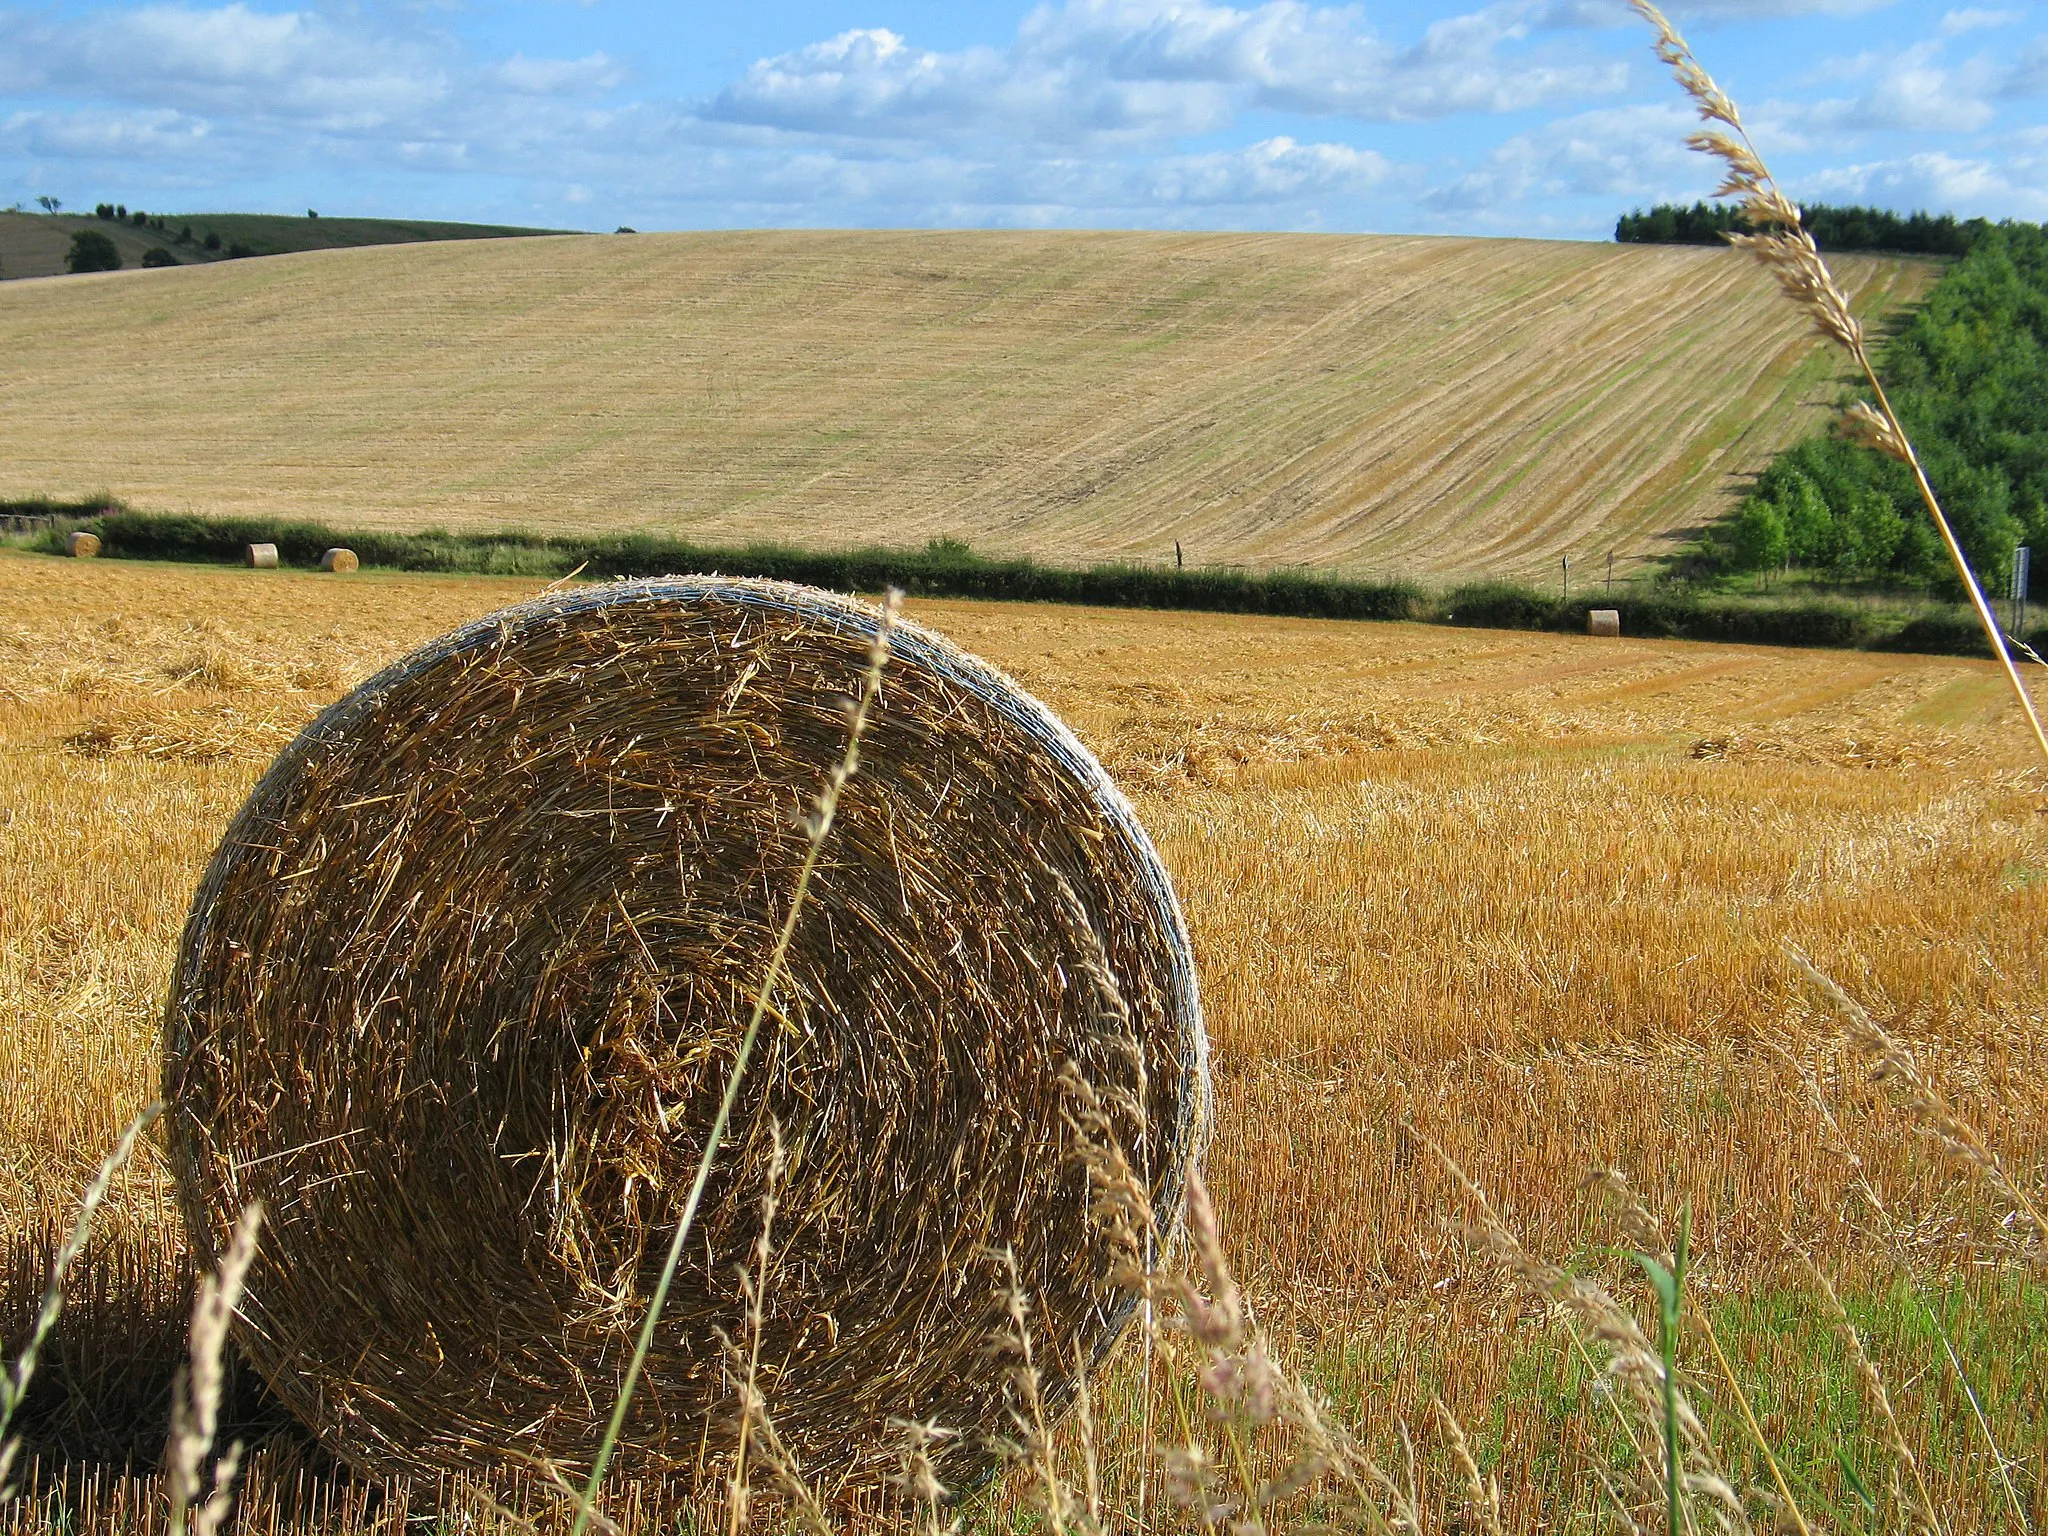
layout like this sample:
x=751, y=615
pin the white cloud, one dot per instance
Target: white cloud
x=1937, y=181
x=1759, y=10
x=1156, y=68
x=1971, y=19
x=1909, y=91
x=557, y=77
x=231, y=59
x=1623, y=154
x=101, y=136
x=872, y=83
x=1092, y=112
x=1273, y=170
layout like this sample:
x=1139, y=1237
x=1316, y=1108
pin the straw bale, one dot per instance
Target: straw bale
x=1603, y=621
x=81, y=545
x=463, y=984
x=262, y=556
x=341, y=560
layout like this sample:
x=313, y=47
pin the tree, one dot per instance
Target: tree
x=139, y=219
x=50, y=204
x=1871, y=533
x=92, y=251
x=104, y=211
x=212, y=241
x=157, y=256
x=312, y=213
x=1810, y=535
x=1757, y=537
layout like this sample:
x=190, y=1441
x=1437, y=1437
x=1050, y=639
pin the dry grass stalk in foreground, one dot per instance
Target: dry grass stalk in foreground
x=196, y=1398
x=1936, y=1119
x=1783, y=245
x=817, y=827
x=14, y=1384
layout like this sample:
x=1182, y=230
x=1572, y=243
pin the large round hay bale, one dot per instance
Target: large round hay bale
x=262, y=557
x=81, y=545
x=337, y=559
x=463, y=984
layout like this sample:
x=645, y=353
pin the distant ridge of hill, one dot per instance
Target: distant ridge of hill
x=35, y=244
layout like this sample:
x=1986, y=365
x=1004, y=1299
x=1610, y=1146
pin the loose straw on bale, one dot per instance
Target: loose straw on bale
x=463, y=985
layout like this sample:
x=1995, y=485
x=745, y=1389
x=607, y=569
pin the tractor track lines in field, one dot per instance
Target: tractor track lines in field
x=1437, y=407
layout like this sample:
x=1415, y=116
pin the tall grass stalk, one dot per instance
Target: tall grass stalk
x=14, y=1385
x=817, y=827
x=195, y=1400
x=1785, y=248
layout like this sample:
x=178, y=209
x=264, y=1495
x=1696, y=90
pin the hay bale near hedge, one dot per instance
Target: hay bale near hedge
x=261, y=557
x=339, y=560
x=81, y=545
x=462, y=985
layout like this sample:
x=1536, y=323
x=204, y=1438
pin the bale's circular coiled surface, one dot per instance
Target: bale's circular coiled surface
x=463, y=984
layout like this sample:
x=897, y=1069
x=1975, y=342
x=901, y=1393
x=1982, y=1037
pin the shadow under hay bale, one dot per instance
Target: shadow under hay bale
x=463, y=985
x=101, y=1393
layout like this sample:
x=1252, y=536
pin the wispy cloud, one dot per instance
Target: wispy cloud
x=1504, y=114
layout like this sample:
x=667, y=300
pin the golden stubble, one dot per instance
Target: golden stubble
x=1531, y=892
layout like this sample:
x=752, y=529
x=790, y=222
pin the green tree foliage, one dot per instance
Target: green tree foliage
x=92, y=251
x=1756, y=539
x=157, y=256
x=1833, y=228
x=1968, y=376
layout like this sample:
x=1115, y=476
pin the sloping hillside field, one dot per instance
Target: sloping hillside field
x=1427, y=407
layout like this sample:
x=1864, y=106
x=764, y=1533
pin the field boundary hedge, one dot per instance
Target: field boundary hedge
x=947, y=568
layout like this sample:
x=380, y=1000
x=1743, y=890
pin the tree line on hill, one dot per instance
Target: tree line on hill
x=1833, y=228
x=93, y=251
x=1968, y=376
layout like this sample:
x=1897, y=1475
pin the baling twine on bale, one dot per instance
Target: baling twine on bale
x=463, y=984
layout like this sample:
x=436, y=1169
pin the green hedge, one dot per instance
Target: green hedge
x=942, y=569
x=947, y=568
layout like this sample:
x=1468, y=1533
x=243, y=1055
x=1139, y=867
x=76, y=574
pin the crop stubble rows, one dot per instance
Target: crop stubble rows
x=1529, y=890
x=1429, y=407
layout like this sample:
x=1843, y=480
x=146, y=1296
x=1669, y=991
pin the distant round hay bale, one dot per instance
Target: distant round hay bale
x=463, y=984
x=341, y=560
x=1605, y=622
x=81, y=545
x=261, y=556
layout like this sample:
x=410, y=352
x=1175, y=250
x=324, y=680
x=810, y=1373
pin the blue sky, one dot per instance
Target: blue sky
x=1524, y=117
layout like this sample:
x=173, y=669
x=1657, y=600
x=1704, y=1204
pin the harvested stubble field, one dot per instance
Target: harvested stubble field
x=1423, y=407
x=1529, y=890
